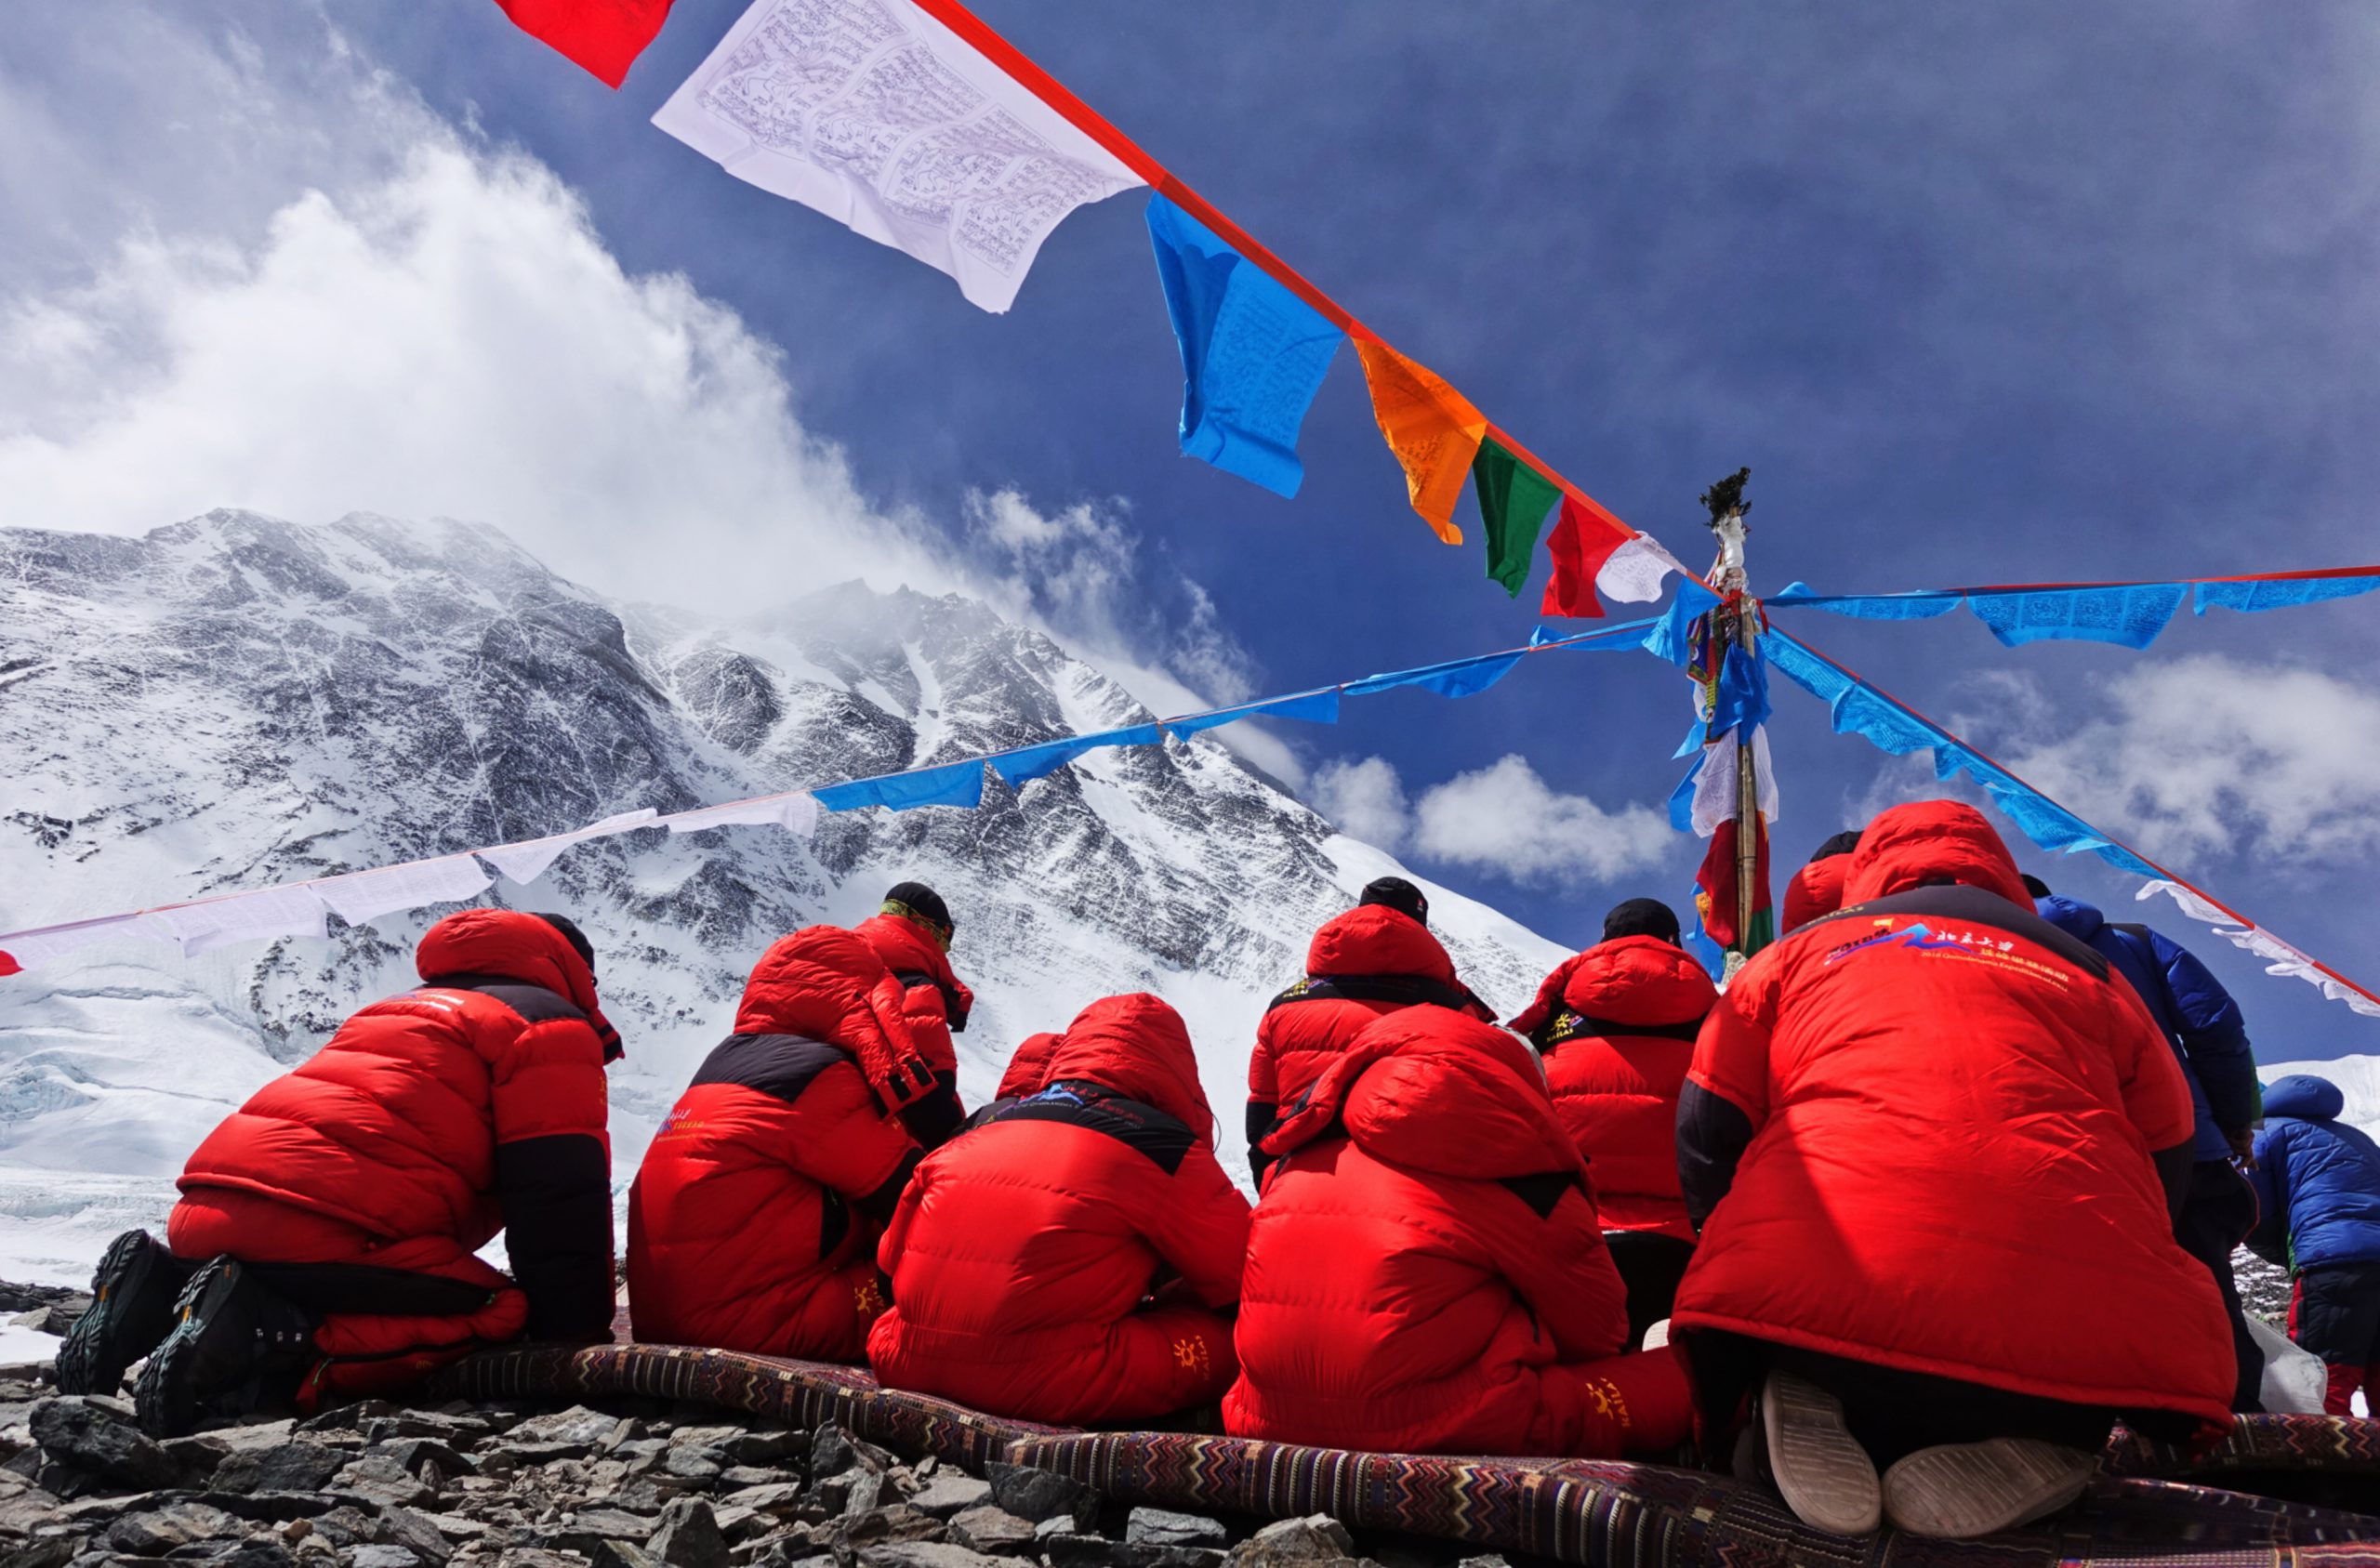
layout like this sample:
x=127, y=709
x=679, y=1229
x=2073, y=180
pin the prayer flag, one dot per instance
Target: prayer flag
x=603, y=37
x=879, y=116
x=1513, y=500
x=1580, y=545
x=1715, y=899
x=953, y=783
x=1253, y=354
x=1432, y=427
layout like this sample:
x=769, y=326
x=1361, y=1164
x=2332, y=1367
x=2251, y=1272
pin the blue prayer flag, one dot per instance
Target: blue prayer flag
x=1672, y=635
x=1462, y=678
x=1742, y=697
x=1022, y=766
x=1253, y=354
x=2129, y=617
x=1315, y=707
x=957, y=784
x=2281, y=594
x=1923, y=605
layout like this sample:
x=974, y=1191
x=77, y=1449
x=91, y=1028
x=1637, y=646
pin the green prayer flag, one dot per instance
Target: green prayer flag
x=1513, y=500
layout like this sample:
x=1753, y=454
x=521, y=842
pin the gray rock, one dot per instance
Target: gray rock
x=834, y=1451
x=253, y=1434
x=410, y=1451
x=950, y=1491
x=693, y=1466
x=578, y=1428
x=1162, y=1527
x=689, y=1537
x=897, y=1521
x=620, y=1554
x=383, y=1481
x=46, y=1552
x=768, y=1448
x=994, y=1530
x=1485, y=1560
x=345, y=1525
x=288, y=1467
x=196, y=1457
x=610, y=1524
x=417, y=1533
x=534, y=1557
x=866, y=1490
x=926, y=1554
x=1042, y=1495
x=97, y=1436
x=1315, y=1538
x=736, y=1477
x=257, y=1551
x=156, y=1532
x=380, y=1554
x=273, y=1507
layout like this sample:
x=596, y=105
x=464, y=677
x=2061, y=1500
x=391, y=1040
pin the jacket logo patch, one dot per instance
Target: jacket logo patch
x=1961, y=945
x=680, y=1123
x=868, y=1300
x=1191, y=1356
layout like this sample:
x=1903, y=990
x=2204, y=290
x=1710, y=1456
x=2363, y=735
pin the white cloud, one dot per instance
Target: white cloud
x=2212, y=756
x=1364, y=800
x=1502, y=817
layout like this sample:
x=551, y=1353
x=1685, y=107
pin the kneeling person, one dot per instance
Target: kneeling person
x=1027, y=1257
x=1427, y=1275
x=323, y=1246
x=752, y=1224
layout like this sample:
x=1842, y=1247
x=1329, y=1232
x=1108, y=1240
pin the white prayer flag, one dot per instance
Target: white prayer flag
x=368, y=895
x=879, y=116
x=1714, y=781
x=797, y=812
x=528, y=860
x=1632, y=574
x=30, y=950
x=2192, y=906
x=294, y=910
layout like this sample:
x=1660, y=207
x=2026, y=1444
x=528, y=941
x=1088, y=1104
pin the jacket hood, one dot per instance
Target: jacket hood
x=1629, y=979
x=1433, y=1089
x=825, y=983
x=909, y=948
x=1137, y=1046
x=1028, y=1069
x=1372, y=939
x=2306, y=1097
x=1927, y=841
x=1814, y=890
x=2081, y=921
x=510, y=944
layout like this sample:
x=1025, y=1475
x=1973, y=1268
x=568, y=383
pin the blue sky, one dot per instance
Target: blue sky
x=1980, y=293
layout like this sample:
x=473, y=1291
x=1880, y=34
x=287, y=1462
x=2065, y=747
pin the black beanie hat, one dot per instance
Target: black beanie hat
x=915, y=898
x=1841, y=844
x=1396, y=893
x=1642, y=917
x=572, y=935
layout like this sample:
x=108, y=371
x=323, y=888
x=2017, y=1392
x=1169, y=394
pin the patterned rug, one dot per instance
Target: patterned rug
x=2152, y=1506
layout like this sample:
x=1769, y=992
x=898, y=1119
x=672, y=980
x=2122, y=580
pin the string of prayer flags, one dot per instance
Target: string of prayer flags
x=2127, y=614
x=1432, y=427
x=954, y=783
x=1021, y=767
x=2283, y=591
x=1253, y=354
x=525, y=862
x=1316, y=707
x=602, y=37
x=1513, y=500
x=1583, y=543
x=879, y=116
x=2281, y=959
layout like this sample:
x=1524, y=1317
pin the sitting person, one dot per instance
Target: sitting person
x=323, y=1246
x=1067, y=1261
x=2317, y=1181
x=912, y=934
x=1427, y=1275
x=753, y=1222
x=1932, y=1143
x=1616, y=1025
x=1816, y=888
x=1377, y=957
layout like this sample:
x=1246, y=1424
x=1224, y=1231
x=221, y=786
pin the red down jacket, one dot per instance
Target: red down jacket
x=1369, y=961
x=752, y=1224
x=1927, y=1123
x=1021, y=1254
x=1427, y=1272
x=1029, y=1068
x=1617, y=1024
x=428, y=1122
x=935, y=1003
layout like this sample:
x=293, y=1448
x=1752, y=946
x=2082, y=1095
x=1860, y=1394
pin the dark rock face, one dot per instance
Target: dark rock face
x=95, y=1438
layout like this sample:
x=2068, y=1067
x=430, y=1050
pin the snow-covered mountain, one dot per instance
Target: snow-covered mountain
x=235, y=701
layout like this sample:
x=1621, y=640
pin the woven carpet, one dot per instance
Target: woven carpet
x=2151, y=1507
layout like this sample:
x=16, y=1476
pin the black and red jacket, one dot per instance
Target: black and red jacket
x=935, y=1004
x=472, y=1105
x=1371, y=961
x=752, y=1224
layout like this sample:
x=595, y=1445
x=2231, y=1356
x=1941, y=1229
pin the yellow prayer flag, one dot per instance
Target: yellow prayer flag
x=1432, y=427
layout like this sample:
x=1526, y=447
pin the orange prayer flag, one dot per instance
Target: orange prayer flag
x=1432, y=427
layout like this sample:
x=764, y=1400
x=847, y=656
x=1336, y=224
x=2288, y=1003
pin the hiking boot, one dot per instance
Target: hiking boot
x=1823, y=1474
x=132, y=1306
x=1967, y=1489
x=235, y=1346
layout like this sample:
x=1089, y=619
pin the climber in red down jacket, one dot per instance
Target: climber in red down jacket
x=323, y=1244
x=912, y=934
x=1066, y=1261
x=1816, y=888
x=1427, y=1272
x=752, y=1224
x=1616, y=1025
x=1377, y=957
x=1932, y=1141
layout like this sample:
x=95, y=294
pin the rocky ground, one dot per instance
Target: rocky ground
x=630, y=1484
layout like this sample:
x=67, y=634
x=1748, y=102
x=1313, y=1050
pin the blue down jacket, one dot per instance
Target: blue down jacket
x=2317, y=1180
x=2190, y=1005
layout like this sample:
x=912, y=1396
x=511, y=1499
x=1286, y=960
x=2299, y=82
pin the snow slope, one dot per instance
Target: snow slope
x=235, y=701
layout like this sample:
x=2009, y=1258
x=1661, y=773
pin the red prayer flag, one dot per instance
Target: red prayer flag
x=605, y=37
x=1717, y=882
x=9, y=965
x=1582, y=542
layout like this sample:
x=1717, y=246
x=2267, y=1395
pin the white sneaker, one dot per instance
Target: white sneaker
x=1970, y=1489
x=1823, y=1474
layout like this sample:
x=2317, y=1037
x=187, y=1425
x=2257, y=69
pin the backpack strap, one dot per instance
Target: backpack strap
x=1403, y=990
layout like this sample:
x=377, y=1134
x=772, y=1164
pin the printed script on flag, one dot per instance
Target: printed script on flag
x=877, y=116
